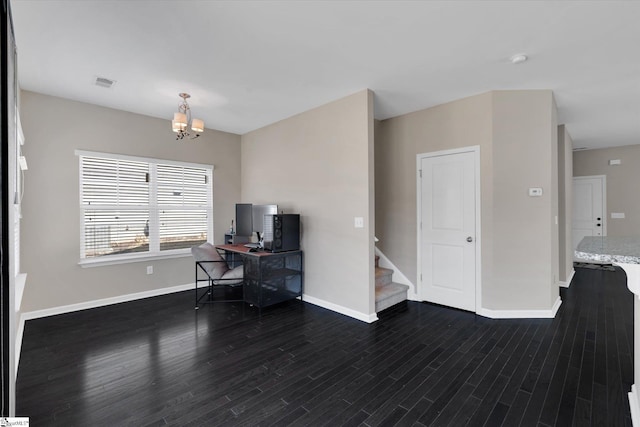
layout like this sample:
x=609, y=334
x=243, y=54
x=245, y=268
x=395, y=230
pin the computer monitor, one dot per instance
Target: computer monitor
x=250, y=218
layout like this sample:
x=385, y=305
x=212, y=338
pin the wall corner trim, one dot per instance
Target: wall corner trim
x=568, y=282
x=635, y=407
x=18, y=349
x=367, y=318
x=522, y=314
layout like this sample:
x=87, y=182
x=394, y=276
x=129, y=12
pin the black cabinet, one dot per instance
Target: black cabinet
x=270, y=278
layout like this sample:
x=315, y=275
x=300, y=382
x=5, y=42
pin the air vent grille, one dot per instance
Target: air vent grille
x=104, y=82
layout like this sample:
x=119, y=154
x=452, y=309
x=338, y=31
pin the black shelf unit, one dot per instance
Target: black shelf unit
x=273, y=278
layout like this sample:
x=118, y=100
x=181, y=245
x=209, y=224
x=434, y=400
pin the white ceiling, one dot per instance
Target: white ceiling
x=251, y=63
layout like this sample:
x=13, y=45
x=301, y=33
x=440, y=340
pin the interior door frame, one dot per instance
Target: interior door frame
x=475, y=149
x=604, y=199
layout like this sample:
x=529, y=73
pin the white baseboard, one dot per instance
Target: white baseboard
x=397, y=276
x=522, y=314
x=36, y=314
x=368, y=318
x=568, y=282
x=635, y=408
x=413, y=297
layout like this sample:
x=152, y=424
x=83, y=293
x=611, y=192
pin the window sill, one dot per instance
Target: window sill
x=115, y=260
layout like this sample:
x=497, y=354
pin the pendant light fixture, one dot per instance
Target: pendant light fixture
x=182, y=122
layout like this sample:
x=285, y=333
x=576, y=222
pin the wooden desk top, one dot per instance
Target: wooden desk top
x=242, y=249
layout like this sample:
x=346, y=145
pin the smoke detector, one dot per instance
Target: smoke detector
x=104, y=82
x=518, y=58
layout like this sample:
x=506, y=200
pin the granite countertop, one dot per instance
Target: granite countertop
x=624, y=250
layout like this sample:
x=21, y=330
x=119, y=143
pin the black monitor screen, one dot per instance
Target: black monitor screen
x=244, y=219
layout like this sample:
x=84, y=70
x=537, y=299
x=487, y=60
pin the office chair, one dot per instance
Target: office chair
x=211, y=264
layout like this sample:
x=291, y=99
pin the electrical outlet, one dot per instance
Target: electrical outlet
x=358, y=222
x=149, y=269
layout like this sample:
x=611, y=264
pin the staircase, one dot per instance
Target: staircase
x=387, y=292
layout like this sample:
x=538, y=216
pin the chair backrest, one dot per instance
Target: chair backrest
x=215, y=266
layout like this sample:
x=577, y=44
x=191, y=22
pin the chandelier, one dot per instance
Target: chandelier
x=182, y=120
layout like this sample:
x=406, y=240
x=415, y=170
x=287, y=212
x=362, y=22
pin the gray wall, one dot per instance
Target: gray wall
x=517, y=135
x=320, y=164
x=565, y=202
x=53, y=129
x=621, y=180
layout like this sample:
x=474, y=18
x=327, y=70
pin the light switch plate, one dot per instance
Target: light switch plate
x=535, y=191
x=617, y=215
x=358, y=222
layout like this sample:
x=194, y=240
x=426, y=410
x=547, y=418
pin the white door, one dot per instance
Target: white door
x=589, y=201
x=447, y=233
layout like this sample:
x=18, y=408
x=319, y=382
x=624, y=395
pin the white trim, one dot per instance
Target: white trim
x=18, y=345
x=21, y=281
x=397, y=276
x=125, y=259
x=106, y=301
x=81, y=153
x=633, y=404
x=368, y=318
x=568, y=282
x=522, y=314
x=471, y=149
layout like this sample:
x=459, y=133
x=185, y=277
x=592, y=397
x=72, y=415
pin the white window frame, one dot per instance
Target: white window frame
x=153, y=205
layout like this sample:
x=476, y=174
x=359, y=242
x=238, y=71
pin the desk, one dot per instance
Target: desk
x=269, y=278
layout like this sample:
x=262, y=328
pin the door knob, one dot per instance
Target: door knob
x=469, y=239
x=597, y=225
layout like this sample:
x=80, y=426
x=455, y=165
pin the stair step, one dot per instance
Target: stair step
x=390, y=294
x=383, y=276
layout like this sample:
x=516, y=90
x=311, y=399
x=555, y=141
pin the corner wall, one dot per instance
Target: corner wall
x=565, y=203
x=320, y=164
x=525, y=237
x=51, y=218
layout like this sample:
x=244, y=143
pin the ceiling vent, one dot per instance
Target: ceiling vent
x=104, y=82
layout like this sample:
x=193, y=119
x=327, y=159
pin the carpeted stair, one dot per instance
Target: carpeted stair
x=387, y=292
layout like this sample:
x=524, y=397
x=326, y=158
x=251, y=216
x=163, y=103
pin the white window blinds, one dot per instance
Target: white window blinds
x=183, y=206
x=132, y=206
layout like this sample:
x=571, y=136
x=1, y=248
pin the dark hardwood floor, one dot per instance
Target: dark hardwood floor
x=157, y=362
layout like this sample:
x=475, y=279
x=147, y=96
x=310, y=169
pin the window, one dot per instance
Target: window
x=133, y=207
